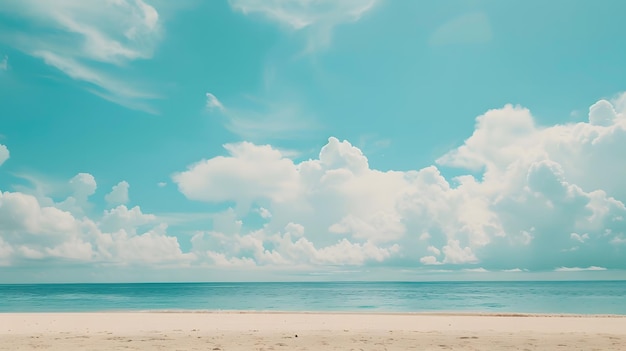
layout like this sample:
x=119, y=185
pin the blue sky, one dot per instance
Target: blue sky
x=295, y=140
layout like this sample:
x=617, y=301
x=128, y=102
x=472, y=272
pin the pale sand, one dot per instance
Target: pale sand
x=315, y=331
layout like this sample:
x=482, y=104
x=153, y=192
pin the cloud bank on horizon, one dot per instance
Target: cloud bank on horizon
x=518, y=195
x=536, y=206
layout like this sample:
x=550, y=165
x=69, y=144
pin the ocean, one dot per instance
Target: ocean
x=579, y=297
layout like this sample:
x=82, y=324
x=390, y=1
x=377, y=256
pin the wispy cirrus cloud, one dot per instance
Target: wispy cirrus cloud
x=316, y=19
x=470, y=28
x=91, y=42
x=213, y=103
x=256, y=119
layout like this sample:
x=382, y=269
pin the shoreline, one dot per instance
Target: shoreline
x=381, y=313
x=311, y=312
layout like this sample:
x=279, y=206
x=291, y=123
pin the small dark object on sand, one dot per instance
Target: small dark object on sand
x=296, y=335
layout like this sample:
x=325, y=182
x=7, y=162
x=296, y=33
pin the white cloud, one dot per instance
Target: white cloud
x=30, y=231
x=294, y=230
x=264, y=212
x=501, y=135
x=221, y=260
x=73, y=196
x=579, y=269
x=161, y=184
x=255, y=119
x=429, y=260
x=508, y=138
x=580, y=238
x=380, y=227
x=22, y=212
x=287, y=248
x=435, y=251
x=530, y=203
x=213, y=103
x=4, y=154
x=111, y=32
x=108, y=88
x=250, y=172
x=523, y=204
x=602, y=113
x=456, y=254
x=78, y=38
x=28, y=228
x=83, y=185
x=277, y=112
x=118, y=194
x=261, y=173
x=316, y=18
x=151, y=247
x=123, y=218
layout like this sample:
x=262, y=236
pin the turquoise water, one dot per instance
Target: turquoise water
x=587, y=297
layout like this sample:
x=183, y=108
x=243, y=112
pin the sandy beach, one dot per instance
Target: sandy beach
x=307, y=331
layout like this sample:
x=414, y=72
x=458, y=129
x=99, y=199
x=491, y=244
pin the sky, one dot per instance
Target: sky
x=154, y=140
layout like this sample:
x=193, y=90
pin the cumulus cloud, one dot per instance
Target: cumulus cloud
x=602, y=113
x=77, y=38
x=118, y=194
x=316, y=18
x=32, y=231
x=521, y=201
x=530, y=203
x=454, y=253
x=4, y=154
x=74, y=196
x=123, y=218
x=264, y=212
x=580, y=238
x=83, y=185
x=288, y=247
x=429, y=260
x=250, y=172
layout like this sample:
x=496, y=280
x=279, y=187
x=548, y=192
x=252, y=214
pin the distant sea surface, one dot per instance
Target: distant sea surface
x=580, y=297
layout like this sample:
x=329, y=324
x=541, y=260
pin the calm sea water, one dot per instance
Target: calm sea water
x=587, y=297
